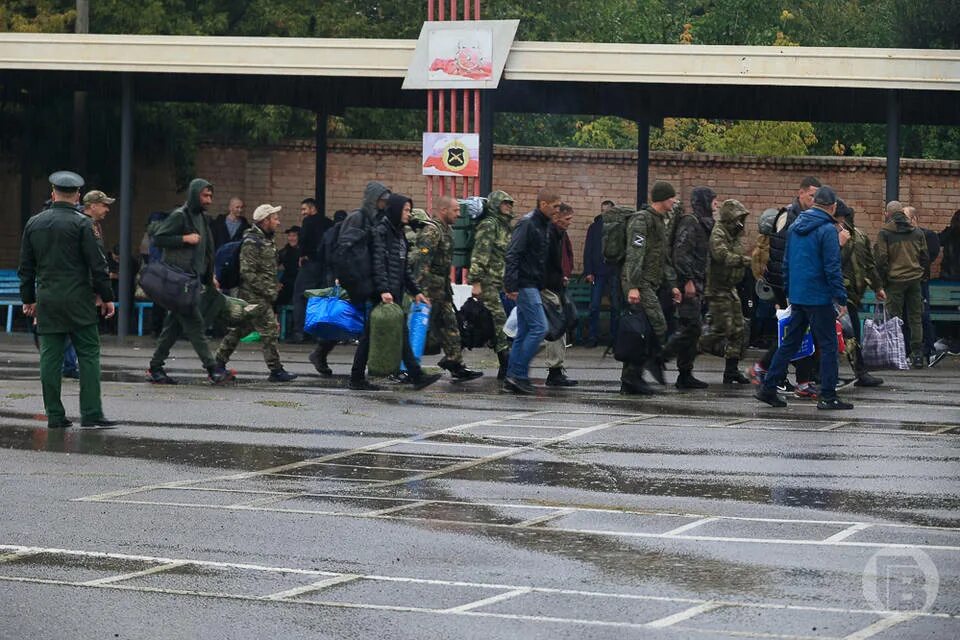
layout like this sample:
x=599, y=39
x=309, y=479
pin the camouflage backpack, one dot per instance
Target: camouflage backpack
x=615, y=234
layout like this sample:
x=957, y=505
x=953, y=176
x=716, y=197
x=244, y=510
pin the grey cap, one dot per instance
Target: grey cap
x=65, y=181
x=825, y=196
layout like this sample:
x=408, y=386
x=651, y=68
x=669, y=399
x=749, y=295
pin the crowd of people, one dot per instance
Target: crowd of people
x=683, y=271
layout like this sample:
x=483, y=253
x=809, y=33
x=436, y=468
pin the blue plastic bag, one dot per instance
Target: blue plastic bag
x=418, y=325
x=332, y=319
x=806, y=346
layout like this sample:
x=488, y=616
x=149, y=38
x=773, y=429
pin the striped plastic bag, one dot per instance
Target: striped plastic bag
x=883, y=346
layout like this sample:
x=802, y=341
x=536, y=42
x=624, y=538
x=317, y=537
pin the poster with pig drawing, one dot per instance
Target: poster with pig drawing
x=461, y=55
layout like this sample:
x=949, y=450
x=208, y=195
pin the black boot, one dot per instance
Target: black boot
x=557, y=377
x=686, y=381
x=731, y=373
x=636, y=387
x=319, y=360
x=656, y=366
x=459, y=370
x=504, y=358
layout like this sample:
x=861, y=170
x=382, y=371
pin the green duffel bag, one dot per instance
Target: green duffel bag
x=386, y=339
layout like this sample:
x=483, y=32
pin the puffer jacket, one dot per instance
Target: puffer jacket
x=391, y=271
x=774, y=272
x=190, y=218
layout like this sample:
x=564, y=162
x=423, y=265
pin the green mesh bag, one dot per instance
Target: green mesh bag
x=386, y=339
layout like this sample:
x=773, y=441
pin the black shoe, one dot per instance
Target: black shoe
x=102, y=423
x=833, y=404
x=62, y=424
x=735, y=378
x=319, y=362
x=71, y=373
x=425, y=380
x=281, y=375
x=867, y=380
x=516, y=385
x=656, y=367
x=636, y=388
x=400, y=377
x=917, y=362
x=362, y=385
x=219, y=374
x=786, y=387
x=686, y=381
x=772, y=398
x=159, y=376
x=504, y=358
x=557, y=377
x=458, y=370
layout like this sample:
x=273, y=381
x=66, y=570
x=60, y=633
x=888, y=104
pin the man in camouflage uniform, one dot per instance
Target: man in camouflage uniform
x=259, y=285
x=646, y=267
x=487, y=263
x=728, y=264
x=434, y=260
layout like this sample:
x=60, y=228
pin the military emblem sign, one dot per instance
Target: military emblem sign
x=451, y=154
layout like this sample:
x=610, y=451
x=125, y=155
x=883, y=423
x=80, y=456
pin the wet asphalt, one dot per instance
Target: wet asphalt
x=301, y=510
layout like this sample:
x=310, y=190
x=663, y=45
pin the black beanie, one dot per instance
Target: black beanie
x=662, y=190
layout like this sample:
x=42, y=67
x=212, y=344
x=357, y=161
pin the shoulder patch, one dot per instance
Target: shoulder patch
x=638, y=241
x=424, y=250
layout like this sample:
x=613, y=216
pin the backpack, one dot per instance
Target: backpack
x=226, y=264
x=767, y=225
x=352, y=258
x=472, y=211
x=615, y=234
x=476, y=324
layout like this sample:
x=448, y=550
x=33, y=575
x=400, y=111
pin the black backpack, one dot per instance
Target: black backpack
x=226, y=264
x=476, y=324
x=352, y=259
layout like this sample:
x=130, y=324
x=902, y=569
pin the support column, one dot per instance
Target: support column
x=643, y=160
x=893, y=145
x=320, y=175
x=124, y=308
x=27, y=144
x=487, y=104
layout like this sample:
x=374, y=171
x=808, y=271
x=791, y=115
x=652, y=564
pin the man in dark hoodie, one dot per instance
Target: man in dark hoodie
x=903, y=264
x=229, y=226
x=691, y=248
x=814, y=285
x=390, y=278
x=602, y=278
x=187, y=243
x=310, y=274
x=328, y=246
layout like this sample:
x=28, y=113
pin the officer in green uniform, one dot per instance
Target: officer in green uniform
x=259, y=285
x=187, y=243
x=646, y=268
x=434, y=260
x=487, y=263
x=63, y=279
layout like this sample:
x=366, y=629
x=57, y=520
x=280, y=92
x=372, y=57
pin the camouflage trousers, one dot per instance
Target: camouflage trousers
x=490, y=297
x=443, y=323
x=650, y=303
x=726, y=326
x=683, y=342
x=262, y=320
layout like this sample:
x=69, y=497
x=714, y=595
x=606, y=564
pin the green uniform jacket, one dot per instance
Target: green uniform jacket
x=902, y=252
x=492, y=237
x=859, y=265
x=434, y=256
x=728, y=263
x=258, y=267
x=61, y=269
x=189, y=218
x=647, y=263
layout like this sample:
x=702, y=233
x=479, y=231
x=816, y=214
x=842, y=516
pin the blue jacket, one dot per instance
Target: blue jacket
x=811, y=265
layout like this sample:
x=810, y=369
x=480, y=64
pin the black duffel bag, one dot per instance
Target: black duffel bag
x=170, y=287
x=476, y=325
x=636, y=341
x=556, y=320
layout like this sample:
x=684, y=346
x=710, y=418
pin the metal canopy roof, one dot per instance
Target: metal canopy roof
x=629, y=80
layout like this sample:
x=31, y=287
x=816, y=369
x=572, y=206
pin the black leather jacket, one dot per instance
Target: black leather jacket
x=527, y=253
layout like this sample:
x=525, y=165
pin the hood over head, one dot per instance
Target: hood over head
x=395, y=208
x=496, y=198
x=193, y=194
x=701, y=201
x=955, y=220
x=373, y=192
x=810, y=220
x=733, y=214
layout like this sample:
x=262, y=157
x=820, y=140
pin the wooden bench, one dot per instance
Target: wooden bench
x=10, y=294
x=944, y=302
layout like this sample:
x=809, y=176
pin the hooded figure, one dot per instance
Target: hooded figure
x=950, y=241
x=190, y=218
x=391, y=271
x=352, y=255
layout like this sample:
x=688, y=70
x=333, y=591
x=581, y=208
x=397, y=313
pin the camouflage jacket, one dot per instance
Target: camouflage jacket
x=434, y=256
x=859, y=265
x=489, y=257
x=728, y=262
x=258, y=267
x=647, y=264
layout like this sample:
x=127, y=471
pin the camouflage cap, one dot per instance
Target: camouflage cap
x=65, y=181
x=91, y=197
x=419, y=215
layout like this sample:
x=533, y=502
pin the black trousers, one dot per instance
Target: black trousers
x=359, y=370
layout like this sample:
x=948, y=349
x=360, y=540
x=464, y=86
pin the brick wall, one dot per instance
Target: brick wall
x=283, y=174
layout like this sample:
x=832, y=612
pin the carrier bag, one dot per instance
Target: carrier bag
x=476, y=324
x=636, y=340
x=418, y=325
x=806, y=346
x=171, y=288
x=883, y=346
x=510, y=326
x=556, y=320
x=386, y=339
x=330, y=317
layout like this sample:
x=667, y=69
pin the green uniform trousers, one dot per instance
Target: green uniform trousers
x=86, y=340
x=726, y=326
x=490, y=297
x=444, y=325
x=193, y=326
x=264, y=322
x=905, y=301
x=650, y=304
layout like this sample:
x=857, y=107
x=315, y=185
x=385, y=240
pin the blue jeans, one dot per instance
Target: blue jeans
x=603, y=284
x=531, y=328
x=70, y=358
x=822, y=320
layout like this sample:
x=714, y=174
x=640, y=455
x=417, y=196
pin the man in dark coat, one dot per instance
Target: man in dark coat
x=600, y=276
x=229, y=226
x=63, y=279
x=310, y=274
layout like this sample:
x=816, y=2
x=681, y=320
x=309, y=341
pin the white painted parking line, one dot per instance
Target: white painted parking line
x=849, y=531
x=532, y=522
x=488, y=601
x=688, y=526
x=316, y=586
x=833, y=426
x=135, y=574
x=271, y=499
x=944, y=430
x=686, y=614
x=880, y=626
x=402, y=507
